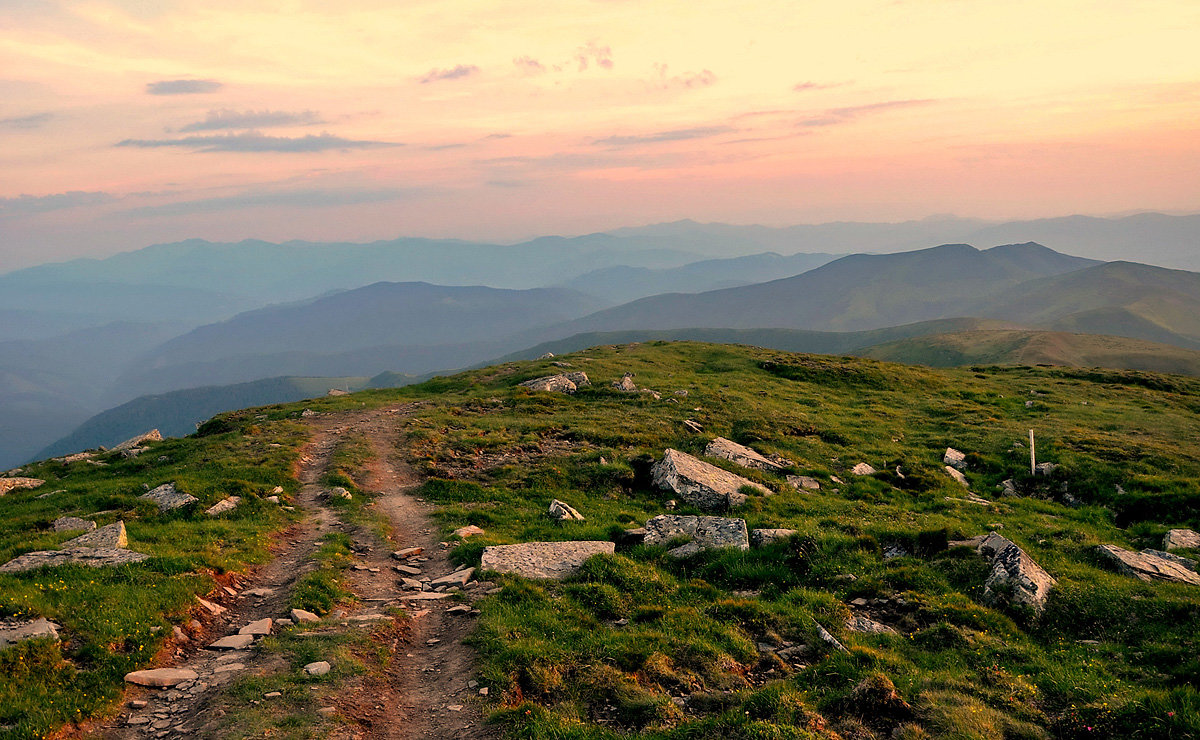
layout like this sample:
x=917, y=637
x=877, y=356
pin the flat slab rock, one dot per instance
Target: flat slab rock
x=93, y=557
x=859, y=623
x=226, y=504
x=19, y=484
x=151, y=436
x=1181, y=539
x=14, y=632
x=73, y=524
x=551, y=560
x=562, y=383
x=109, y=537
x=957, y=475
x=1148, y=567
x=161, y=678
x=804, y=483
x=167, y=498
x=705, y=532
x=954, y=458
x=700, y=484
x=726, y=449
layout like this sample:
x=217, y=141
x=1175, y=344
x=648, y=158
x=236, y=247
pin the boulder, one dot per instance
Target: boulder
x=552, y=560
x=111, y=536
x=457, y=578
x=13, y=632
x=301, y=615
x=1045, y=468
x=700, y=484
x=73, y=524
x=563, y=512
x=546, y=356
x=761, y=537
x=258, y=627
x=93, y=557
x=161, y=678
x=1181, y=539
x=958, y=477
x=1174, y=558
x=167, y=498
x=337, y=492
x=705, y=533
x=226, y=504
x=139, y=441
x=740, y=455
x=319, y=668
x=804, y=483
x=862, y=469
x=579, y=378
x=625, y=384
x=335, y=392
x=859, y=623
x=1014, y=577
x=1147, y=567
x=233, y=642
x=954, y=459
x=1009, y=488
x=19, y=484
x=468, y=531
x=551, y=384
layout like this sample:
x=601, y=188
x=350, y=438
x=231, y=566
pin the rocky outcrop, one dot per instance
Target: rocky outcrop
x=110, y=537
x=579, y=378
x=958, y=477
x=7, y=485
x=700, y=484
x=625, y=384
x=804, y=483
x=1181, y=539
x=139, y=441
x=167, y=498
x=93, y=557
x=954, y=459
x=862, y=469
x=705, y=533
x=860, y=623
x=564, y=512
x=552, y=560
x=1146, y=566
x=224, y=505
x=552, y=384
x=1015, y=578
x=763, y=537
x=1174, y=558
x=13, y=632
x=726, y=449
x=73, y=524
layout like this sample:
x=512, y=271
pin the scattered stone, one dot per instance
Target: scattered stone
x=954, y=459
x=8, y=485
x=261, y=592
x=693, y=426
x=427, y=596
x=830, y=640
x=139, y=441
x=408, y=552
x=804, y=483
x=483, y=691
x=337, y=492
x=1045, y=468
x=468, y=531
x=327, y=711
x=1148, y=567
x=455, y=707
x=958, y=477
x=547, y=356
x=862, y=469
x=1181, y=539
x=412, y=585
x=407, y=570
x=12, y=633
x=542, y=559
x=93, y=557
x=272, y=694
x=302, y=615
x=111, y=537
x=258, y=627
x=859, y=623
x=726, y=449
x=319, y=668
x=563, y=512
x=76, y=457
x=161, y=678
x=337, y=392
x=459, y=609
x=891, y=552
x=212, y=608
x=224, y=505
x=229, y=667
x=1015, y=578
x=580, y=379
x=457, y=578
x=762, y=537
x=138, y=704
x=705, y=533
x=625, y=384
x=307, y=413
x=1009, y=488
x=233, y=642
x=551, y=384
x=167, y=498
x=700, y=483
x=73, y=524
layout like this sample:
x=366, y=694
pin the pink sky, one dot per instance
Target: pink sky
x=126, y=122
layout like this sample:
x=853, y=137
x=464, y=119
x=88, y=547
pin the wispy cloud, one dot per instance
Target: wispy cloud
x=182, y=87
x=25, y=123
x=593, y=53
x=457, y=72
x=307, y=198
x=687, y=80
x=24, y=204
x=253, y=141
x=810, y=85
x=680, y=134
x=529, y=65
x=835, y=116
x=217, y=120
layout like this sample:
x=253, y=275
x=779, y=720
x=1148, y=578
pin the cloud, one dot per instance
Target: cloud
x=308, y=198
x=835, y=116
x=680, y=134
x=229, y=119
x=593, y=53
x=25, y=123
x=457, y=72
x=529, y=65
x=182, y=87
x=810, y=85
x=253, y=141
x=687, y=80
x=25, y=204
x=443, y=147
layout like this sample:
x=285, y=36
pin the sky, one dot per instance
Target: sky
x=130, y=122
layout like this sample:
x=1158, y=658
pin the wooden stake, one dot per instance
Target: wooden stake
x=1032, y=455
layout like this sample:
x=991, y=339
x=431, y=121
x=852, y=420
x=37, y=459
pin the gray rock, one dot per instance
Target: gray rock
x=1174, y=558
x=726, y=449
x=1148, y=567
x=830, y=640
x=258, y=627
x=579, y=378
x=703, y=485
x=705, y=532
x=552, y=560
x=13, y=632
x=300, y=615
x=1015, y=577
x=958, y=477
x=551, y=384
x=93, y=557
x=547, y=356
x=111, y=536
x=954, y=459
x=891, y=552
x=625, y=384
x=73, y=524
x=693, y=426
x=224, y=505
x=563, y=512
x=1045, y=468
x=233, y=642
x=457, y=578
x=761, y=537
x=8, y=485
x=161, y=678
x=139, y=441
x=804, y=483
x=167, y=498
x=860, y=623
x=1181, y=539
x=1009, y=488
x=862, y=469
x=319, y=668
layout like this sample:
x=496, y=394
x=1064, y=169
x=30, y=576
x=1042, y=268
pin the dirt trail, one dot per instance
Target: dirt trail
x=423, y=694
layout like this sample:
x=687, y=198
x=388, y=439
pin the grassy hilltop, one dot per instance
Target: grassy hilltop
x=640, y=643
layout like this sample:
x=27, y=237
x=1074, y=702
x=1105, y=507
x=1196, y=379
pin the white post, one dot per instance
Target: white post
x=1032, y=455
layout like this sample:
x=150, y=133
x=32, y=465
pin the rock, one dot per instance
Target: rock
x=551, y=384
x=210, y=607
x=261, y=592
x=891, y=552
x=226, y=504
x=233, y=642
x=1015, y=578
x=1009, y=488
x=1178, y=559
x=830, y=640
x=151, y=436
x=335, y=392
x=273, y=499
x=76, y=457
x=958, y=477
x=8, y=485
x=954, y=459
x=407, y=552
x=457, y=578
x=93, y=557
x=412, y=584
x=337, y=492
x=111, y=537
x=302, y=615
x=693, y=426
x=307, y=413
x=625, y=384
x=547, y=356
x=859, y=623
x=552, y=560
x=468, y=531
x=319, y=668
x=729, y=450
x=167, y=498
x=258, y=627
x=1045, y=468
x=580, y=379
x=161, y=678
x=73, y=524
x=407, y=570
x=631, y=537
x=804, y=483
x=11, y=633
x=653, y=394
x=862, y=469
x=761, y=537
x=1148, y=567
x=1181, y=539
x=703, y=485
x=563, y=512
x=229, y=667
x=705, y=532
